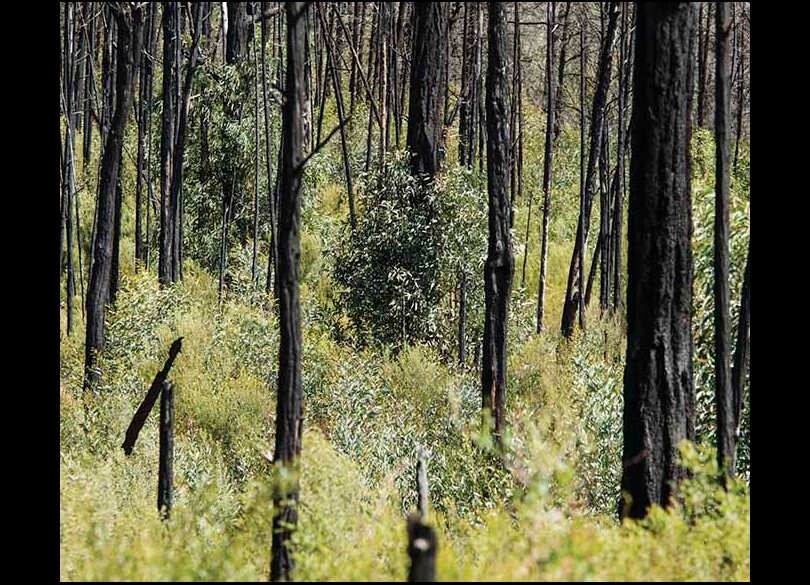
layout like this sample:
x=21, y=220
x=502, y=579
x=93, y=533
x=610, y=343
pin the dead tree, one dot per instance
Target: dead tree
x=500, y=264
x=289, y=417
x=129, y=32
x=551, y=109
x=724, y=398
x=659, y=397
x=574, y=290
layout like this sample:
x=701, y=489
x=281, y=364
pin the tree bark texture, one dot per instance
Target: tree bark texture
x=425, y=121
x=724, y=398
x=167, y=140
x=659, y=398
x=500, y=263
x=289, y=416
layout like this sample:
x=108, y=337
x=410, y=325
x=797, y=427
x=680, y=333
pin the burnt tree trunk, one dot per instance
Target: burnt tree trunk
x=115, y=268
x=240, y=31
x=561, y=71
x=268, y=160
x=659, y=398
x=151, y=203
x=89, y=82
x=500, y=264
x=254, y=265
x=183, y=99
x=724, y=399
x=575, y=272
x=743, y=346
x=167, y=140
x=289, y=416
x=462, y=320
x=597, y=254
x=740, y=97
x=166, y=448
x=621, y=139
x=429, y=22
x=703, y=66
x=464, y=98
x=129, y=45
x=140, y=118
x=604, y=221
x=344, y=145
x=551, y=131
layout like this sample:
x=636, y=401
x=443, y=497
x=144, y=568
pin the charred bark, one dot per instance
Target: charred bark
x=575, y=272
x=425, y=120
x=289, y=408
x=500, y=264
x=724, y=398
x=659, y=398
x=129, y=44
x=551, y=130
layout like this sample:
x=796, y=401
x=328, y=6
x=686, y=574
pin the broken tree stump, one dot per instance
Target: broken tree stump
x=421, y=550
x=422, y=542
x=148, y=403
x=166, y=450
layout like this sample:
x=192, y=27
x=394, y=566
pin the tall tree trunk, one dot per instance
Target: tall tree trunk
x=140, y=118
x=166, y=249
x=115, y=261
x=356, y=7
x=462, y=320
x=240, y=31
x=289, y=418
x=597, y=254
x=703, y=68
x=90, y=81
x=129, y=45
x=743, y=346
x=575, y=272
x=551, y=109
x=464, y=99
x=272, y=256
x=621, y=139
x=659, y=398
x=152, y=201
x=254, y=266
x=740, y=97
x=68, y=172
x=429, y=22
x=500, y=265
x=68, y=194
x=724, y=398
x=577, y=299
x=515, y=138
x=332, y=64
x=604, y=220
x=561, y=72
x=183, y=99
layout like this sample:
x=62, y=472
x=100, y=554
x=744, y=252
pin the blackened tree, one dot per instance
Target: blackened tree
x=289, y=417
x=129, y=31
x=500, y=264
x=659, y=399
x=724, y=399
x=425, y=121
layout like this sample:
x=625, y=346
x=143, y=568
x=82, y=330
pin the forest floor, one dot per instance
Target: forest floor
x=551, y=514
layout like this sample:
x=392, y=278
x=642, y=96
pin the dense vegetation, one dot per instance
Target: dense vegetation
x=380, y=372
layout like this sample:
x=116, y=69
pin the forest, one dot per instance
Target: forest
x=404, y=291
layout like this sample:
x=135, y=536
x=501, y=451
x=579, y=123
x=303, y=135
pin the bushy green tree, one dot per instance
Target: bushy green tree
x=412, y=241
